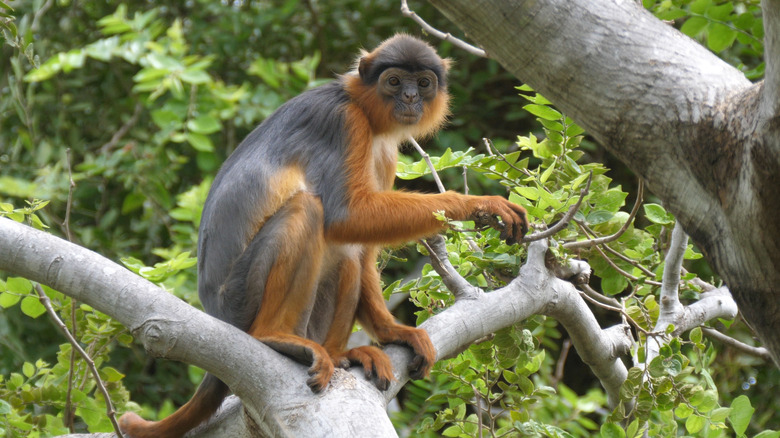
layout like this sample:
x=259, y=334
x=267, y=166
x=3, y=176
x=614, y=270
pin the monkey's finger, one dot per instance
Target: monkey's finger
x=343, y=362
x=382, y=384
x=516, y=222
x=419, y=367
x=320, y=372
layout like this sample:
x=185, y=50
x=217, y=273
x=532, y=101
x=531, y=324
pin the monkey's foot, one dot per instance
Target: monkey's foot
x=321, y=371
x=375, y=364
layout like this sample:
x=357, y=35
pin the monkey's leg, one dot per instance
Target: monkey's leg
x=374, y=317
x=288, y=292
x=373, y=360
x=201, y=406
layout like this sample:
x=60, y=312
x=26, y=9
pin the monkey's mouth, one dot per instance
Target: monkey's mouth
x=408, y=117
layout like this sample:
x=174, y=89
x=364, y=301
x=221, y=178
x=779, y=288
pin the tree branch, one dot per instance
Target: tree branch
x=456, y=284
x=687, y=123
x=770, y=99
x=670, y=300
x=406, y=12
x=603, y=240
x=427, y=159
x=761, y=352
x=110, y=412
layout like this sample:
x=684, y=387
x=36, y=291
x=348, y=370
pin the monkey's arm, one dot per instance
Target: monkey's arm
x=389, y=217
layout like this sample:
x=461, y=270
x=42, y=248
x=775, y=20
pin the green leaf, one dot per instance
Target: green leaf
x=194, y=76
x=614, y=283
x=149, y=74
x=542, y=111
x=546, y=174
x=165, y=118
x=695, y=335
x=132, y=202
x=28, y=369
x=599, y=217
x=18, y=285
x=721, y=12
x=530, y=193
x=657, y=214
x=32, y=307
x=110, y=374
x=8, y=299
x=720, y=37
x=695, y=423
x=204, y=125
x=719, y=415
x=694, y=26
x=200, y=142
x=451, y=431
x=612, y=430
x=741, y=412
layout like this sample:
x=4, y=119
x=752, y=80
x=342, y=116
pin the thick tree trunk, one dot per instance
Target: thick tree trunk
x=705, y=139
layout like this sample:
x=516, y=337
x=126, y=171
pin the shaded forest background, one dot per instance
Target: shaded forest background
x=144, y=144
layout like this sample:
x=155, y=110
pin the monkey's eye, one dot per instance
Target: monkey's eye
x=424, y=82
x=394, y=81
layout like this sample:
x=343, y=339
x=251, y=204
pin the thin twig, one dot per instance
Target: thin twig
x=406, y=12
x=71, y=186
x=493, y=150
x=459, y=287
x=614, y=265
x=465, y=180
x=588, y=293
x=561, y=362
x=69, y=412
x=627, y=259
x=478, y=398
x=427, y=159
x=564, y=220
x=123, y=130
x=90, y=363
x=602, y=240
x=39, y=15
x=761, y=352
x=474, y=247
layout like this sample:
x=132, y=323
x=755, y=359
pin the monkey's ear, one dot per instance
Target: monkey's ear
x=364, y=64
x=447, y=63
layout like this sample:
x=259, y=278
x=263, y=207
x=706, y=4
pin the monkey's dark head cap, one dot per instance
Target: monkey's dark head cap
x=406, y=52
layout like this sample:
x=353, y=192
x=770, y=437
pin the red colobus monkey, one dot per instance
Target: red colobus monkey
x=296, y=216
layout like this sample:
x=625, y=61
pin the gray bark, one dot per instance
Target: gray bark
x=705, y=140
x=272, y=388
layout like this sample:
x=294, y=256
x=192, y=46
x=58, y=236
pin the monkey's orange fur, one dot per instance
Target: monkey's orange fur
x=295, y=219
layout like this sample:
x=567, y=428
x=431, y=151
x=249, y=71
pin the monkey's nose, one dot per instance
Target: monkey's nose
x=410, y=96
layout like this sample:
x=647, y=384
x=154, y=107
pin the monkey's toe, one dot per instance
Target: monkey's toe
x=419, y=367
x=320, y=372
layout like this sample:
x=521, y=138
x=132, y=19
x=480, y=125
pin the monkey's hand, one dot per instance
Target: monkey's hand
x=376, y=364
x=513, y=224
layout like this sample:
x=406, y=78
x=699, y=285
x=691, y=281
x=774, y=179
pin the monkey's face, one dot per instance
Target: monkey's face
x=407, y=92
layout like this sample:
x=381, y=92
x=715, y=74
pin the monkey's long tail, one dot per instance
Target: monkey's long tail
x=201, y=406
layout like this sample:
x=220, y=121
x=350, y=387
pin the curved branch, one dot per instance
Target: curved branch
x=110, y=412
x=427, y=159
x=406, y=12
x=761, y=352
x=564, y=221
x=615, y=236
x=670, y=299
x=458, y=285
x=770, y=99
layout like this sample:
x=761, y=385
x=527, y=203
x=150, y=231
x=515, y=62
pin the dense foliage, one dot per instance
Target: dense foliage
x=115, y=117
